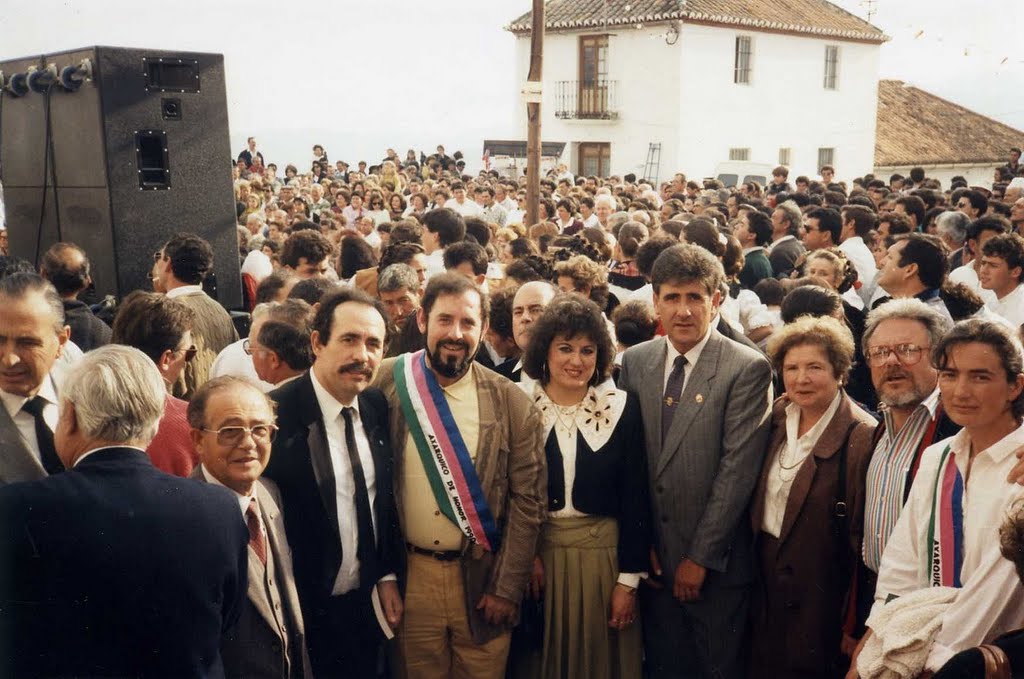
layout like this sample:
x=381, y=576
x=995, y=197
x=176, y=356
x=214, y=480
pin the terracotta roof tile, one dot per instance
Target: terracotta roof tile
x=817, y=17
x=918, y=128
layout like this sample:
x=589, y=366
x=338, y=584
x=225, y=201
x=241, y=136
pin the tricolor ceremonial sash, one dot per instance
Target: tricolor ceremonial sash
x=444, y=454
x=945, y=551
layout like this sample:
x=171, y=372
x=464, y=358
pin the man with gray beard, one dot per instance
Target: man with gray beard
x=898, y=338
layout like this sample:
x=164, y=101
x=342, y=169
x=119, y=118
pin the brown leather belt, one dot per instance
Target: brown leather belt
x=451, y=555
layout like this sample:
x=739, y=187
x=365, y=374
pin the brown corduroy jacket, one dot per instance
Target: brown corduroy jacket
x=512, y=468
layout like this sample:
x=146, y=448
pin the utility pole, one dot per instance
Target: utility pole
x=532, y=95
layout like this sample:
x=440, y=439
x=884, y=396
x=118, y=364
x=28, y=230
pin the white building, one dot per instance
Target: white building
x=710, y=81
x=918, y=129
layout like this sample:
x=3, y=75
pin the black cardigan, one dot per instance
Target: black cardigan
x=610, y=482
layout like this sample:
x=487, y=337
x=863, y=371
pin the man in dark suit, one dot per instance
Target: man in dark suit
x=785, y=249
x=706, y=402
x=115, y=568
x=232, y=423
x=32, y=337
x=333, y=465
x=66, y=266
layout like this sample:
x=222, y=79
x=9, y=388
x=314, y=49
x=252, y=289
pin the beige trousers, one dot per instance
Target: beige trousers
x=433, y=640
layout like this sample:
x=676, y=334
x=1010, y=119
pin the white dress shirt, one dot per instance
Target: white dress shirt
x=861, y=258
x=991, y=601
x=787, y=462
x=243, y=500
x=467, y=208
x=344, y=483
x=25, y=423
x=184, y=290
x=1010, y=307
x=692, y=356
x=232, y=360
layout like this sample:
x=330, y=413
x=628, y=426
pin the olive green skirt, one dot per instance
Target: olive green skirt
x=580, y=570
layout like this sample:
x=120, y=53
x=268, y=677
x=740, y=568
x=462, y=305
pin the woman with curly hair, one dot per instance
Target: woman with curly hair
x=582, y=275
x=594, y=544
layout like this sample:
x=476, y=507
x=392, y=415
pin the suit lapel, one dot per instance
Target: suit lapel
x=690, y=406
x=778, y=438
x=649, y=389
x=17, y=463
x=323, y=470
x=829, y=443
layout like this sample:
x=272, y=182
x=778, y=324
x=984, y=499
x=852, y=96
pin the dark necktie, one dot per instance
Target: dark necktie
x=257, y=540
x=44, y=437
x=673, y=390
x=366, y=550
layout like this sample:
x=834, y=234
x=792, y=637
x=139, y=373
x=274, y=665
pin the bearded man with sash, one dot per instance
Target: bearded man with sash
x=470, y=485
x=947, y=535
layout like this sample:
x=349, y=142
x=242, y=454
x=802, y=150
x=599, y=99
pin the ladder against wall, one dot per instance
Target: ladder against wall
x=653, y=165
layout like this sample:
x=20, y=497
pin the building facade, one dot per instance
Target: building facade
x=655, y=87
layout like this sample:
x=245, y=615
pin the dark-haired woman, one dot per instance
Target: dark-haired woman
x=595, y=542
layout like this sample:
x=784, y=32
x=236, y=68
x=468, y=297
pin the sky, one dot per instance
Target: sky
x=360, y=76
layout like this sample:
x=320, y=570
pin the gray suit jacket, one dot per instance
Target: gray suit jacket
x=17, y=462
x=703, y=477
x=254, y=647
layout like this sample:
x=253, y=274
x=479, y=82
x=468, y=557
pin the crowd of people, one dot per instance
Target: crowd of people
x=669, y=430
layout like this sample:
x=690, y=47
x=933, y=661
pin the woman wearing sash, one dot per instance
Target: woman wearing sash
x=947, y=535
x=808, y=508
x=594, y=545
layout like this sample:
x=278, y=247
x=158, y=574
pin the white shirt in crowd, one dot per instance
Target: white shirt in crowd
x=467, y=208
x=1010, y=307
x=991, y=601
x=232, y=360
x=860, y=255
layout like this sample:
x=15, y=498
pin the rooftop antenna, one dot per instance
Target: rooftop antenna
x=871, y=7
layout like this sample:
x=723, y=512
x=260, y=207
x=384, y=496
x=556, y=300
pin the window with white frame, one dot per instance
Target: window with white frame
x=826, y=156
x=831, y=67
x=741, y=71
x=784, y=154
x=739, y=154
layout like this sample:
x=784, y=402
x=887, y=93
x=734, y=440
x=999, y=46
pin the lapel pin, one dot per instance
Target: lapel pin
x=699, y=398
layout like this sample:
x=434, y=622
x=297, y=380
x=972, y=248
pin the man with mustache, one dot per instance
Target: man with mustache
x=332, y=462
x=470, y=486
x=897, y=341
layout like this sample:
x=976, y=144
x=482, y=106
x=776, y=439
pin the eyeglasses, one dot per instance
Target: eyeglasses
x=230, y=436
x=907, y=354
x=247, y=348
x=190, y=353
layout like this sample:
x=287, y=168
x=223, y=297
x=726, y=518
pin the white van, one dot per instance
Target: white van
x=735, y=172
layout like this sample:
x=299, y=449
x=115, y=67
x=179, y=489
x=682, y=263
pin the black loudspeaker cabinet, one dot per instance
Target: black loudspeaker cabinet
x=140, y=152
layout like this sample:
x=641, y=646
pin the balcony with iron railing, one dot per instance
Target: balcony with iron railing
x=586, y=100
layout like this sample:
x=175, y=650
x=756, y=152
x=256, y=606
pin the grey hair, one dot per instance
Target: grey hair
x=398, y=277
x=20, y=285
x=910, y=309
x=617, y=218
x=953, y=225
x=118, y=395
x=793, y=214
x=262, y=309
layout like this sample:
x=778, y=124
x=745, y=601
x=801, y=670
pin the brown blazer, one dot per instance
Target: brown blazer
x=798, y=601
x=253, y=649
x=512, y=468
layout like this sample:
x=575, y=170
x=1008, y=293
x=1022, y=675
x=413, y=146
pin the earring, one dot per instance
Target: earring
x=544, y=376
